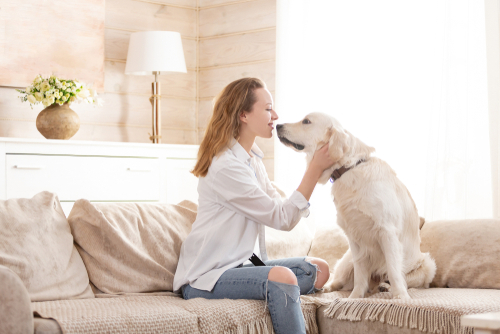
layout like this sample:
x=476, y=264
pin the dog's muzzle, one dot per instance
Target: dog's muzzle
x=285, y=141
x=289, y=143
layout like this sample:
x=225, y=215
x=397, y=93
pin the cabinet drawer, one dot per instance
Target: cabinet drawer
x=75, y=177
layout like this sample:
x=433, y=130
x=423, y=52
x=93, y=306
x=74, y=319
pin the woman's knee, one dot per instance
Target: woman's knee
x=323, y=273
x=282, y=275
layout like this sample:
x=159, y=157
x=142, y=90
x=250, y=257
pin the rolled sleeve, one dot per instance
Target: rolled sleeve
x=301, y=203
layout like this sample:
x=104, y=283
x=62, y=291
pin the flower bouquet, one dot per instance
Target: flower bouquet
x=57, y=120
x=53, y=90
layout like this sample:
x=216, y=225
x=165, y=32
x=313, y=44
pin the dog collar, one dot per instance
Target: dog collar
x=340, y=171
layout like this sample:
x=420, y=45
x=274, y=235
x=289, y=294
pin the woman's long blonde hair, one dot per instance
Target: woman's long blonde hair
x=224, y=125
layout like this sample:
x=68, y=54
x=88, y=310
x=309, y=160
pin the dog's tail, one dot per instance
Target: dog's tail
x=423, y=274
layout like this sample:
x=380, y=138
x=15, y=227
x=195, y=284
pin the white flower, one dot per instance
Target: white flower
x=31, y=99
x=84, y=93
x=28, y=89
x=72, y=99
x=46, y=102
x=37, y=80
x=39, y=96
x=44, y=86
x=98, y=102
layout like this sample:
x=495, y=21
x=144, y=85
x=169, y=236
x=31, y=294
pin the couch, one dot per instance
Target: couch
x=108, y=268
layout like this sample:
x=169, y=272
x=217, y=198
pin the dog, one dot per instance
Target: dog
x=374, y=209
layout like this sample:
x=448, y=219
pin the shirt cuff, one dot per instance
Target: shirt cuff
x=300, y=202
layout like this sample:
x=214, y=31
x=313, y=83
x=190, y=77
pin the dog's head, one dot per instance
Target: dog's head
x=317, y=129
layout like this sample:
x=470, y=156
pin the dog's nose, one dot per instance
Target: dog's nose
x=279, y=126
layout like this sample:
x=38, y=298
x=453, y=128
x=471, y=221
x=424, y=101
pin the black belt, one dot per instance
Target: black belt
x=256, y=261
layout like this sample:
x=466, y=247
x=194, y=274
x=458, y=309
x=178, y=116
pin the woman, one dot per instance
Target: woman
x=236, y=200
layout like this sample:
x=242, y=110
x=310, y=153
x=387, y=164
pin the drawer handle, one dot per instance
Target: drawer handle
x=27, y=167
x=138, y=170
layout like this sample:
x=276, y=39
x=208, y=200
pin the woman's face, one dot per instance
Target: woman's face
x=260, y=120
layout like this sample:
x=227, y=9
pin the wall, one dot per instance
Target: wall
x=237, y=39
x=222, y=40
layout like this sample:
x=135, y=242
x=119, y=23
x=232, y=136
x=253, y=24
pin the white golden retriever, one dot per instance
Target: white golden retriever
x=374, y=209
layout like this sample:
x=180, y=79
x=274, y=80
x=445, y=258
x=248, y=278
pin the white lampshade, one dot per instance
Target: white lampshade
x=151, y=51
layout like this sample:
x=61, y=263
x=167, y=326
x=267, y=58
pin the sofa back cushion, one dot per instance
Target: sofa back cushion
x=36, y=244
x=130, y=247
x=329, y=244
x=294, y=243
x=466, y=252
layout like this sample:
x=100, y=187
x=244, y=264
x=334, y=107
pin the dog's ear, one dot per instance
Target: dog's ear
x=337, y=143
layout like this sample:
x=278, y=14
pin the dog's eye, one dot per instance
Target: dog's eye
x=306, y=121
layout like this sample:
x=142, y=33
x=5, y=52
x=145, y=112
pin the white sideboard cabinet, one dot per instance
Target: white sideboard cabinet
x=97, y=171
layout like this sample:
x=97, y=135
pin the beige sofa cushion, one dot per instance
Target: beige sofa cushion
x=15, y=307
x=329, y=244
x=297, y=242
x=165, y=314
x=294, y=243
x=36, y=243
x=435, y=310
x=131, y=314
x=466, y=252
x=130, y=247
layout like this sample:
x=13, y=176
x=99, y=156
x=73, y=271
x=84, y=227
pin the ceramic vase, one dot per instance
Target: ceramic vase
x=58, y=122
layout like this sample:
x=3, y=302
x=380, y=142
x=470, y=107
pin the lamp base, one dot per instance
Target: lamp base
x=154, y=139
x=155, y=102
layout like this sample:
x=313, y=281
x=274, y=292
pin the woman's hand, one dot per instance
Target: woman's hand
x=322, y=159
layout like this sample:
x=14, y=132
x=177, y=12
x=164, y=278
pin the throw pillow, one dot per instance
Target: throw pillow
x=466, y=252
x=130, y=247
x=36, y=243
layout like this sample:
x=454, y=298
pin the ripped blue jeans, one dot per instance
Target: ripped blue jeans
x=250, y=282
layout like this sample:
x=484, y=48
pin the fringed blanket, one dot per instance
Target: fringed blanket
x=164, y=314
x=429, y=310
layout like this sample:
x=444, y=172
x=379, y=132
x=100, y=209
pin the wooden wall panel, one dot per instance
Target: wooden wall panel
x=119, y=111
x=181, y=85
x=239, y=17
x=62, y=38
x=99, y=132
x=205, y=109
x=182, y=3
x=213, y=80
x=136, y=15
x=266, y=145
x=238, y=48
x=136, y=109
x=237, y=38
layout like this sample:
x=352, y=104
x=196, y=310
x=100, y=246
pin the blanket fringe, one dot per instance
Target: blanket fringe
x=397, y=315
x=311, y=323
x=261, y=326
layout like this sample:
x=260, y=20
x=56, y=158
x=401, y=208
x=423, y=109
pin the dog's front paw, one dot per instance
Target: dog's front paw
x=356, y=294
x=403, y=295
x=384, y=287
x=332, y=286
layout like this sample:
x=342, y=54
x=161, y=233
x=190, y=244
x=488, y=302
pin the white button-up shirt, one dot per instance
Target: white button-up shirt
x=236, y=199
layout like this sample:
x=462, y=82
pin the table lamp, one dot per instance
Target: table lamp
x=153, y=53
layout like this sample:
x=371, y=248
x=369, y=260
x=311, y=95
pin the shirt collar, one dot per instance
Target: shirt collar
x=242, y=155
